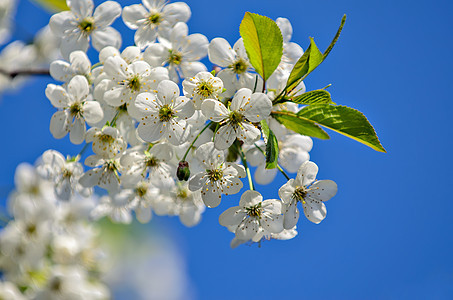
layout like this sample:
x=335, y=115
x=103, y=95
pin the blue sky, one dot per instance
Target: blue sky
x=388, y=232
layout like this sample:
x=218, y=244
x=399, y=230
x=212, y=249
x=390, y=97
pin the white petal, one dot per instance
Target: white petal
x=57, y=96
x=221, y=53
x=106, y=37
x=78, y=88
x=209, y=156
x=155, y=55
x=197, y=182
x=77, y=131
x=150, y=132
x=59, y=124
x=167, y=91
x=177, y=12
x=247, y=229
x=264, y=176
x=285, y=28
x=73, y=42
x=286, y=191
x=306, y=173
x=61, y=70
x=314, y=211
x=133, y=14
x=225, y=137
x=92, y=112
x=143, y=214
x=178, y=132
x=233, y=216
x=291, y=215
x=241, y=99
x=214, y=110
x=211, y=197
x=250, y=198
x=61, y=22
x=258, y=108
x=248, y=133
x=82, y=8
x=145, y=36
x=190, y=69
x=323, y=190
x=80, y=62
x=106, y=13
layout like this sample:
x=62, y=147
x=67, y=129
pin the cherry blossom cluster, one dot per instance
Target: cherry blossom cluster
x=168, y=138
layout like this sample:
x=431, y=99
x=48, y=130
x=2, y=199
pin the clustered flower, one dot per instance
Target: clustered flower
x=156, y=149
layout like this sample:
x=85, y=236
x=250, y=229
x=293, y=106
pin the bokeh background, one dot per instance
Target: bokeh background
x=388, y=232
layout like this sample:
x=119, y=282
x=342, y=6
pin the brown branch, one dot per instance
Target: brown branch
x=37, y=72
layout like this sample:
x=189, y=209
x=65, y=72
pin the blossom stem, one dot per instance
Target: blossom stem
x=96, y=65
x=194, y=140
x=115, y=117
x=278, y=166
x=247, y=169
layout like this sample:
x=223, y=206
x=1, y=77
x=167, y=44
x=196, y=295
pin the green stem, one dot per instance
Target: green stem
x=113, y=123
x=96, y=65
x=278, y=166
x=247, y=169
x=194, y=140
x=215, y=131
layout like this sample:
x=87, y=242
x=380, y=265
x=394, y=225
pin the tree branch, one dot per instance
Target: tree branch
x=37, y=72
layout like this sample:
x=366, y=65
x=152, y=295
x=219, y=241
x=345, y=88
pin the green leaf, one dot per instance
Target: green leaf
x=53, y=5
x=310, y=60
x=300, y=124
x=344, y=120
x=313, y=97
x=271, y=146
x=263, y=42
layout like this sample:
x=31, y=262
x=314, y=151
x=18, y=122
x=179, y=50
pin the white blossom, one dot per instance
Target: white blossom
x=154, y=18
x=237, y=121
x=311, y=193
x=76, y=27
x=202, y=86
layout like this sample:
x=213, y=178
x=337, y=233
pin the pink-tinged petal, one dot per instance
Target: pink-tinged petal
x=291, y=215
x=221, y=53
x=59, y=124
x=306, y=173
x=323, y=190
x=57, y=96
x=134, y=15
x=314, y=211
x=106, y=13
x=106, y=37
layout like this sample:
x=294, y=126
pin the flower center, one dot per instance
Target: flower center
x=105, y=138
x=236, y=119
x=151, y=162
x=215, y=175
x=75, y=109
x=165, y=113
x=87, y=25
x=240, y=66
x=66, y=173
x=155, y=18
x=175, y=57
x=141, y=191
x=134, y=84
x=183, y=194
x=205, y=89
x=254, y=211
x=299, y=194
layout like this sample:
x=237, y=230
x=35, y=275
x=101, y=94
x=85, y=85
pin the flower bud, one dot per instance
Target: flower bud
x=183, y=172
